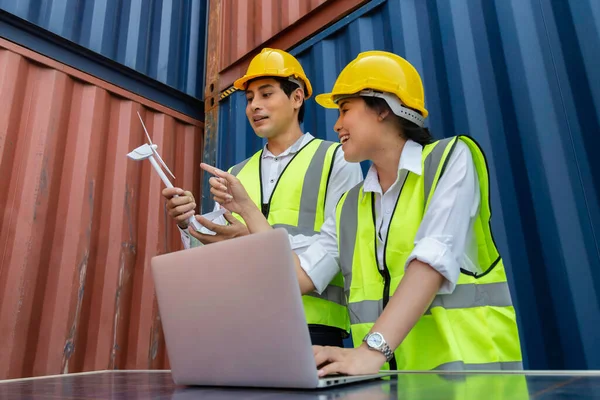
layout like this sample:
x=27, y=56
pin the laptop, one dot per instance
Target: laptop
x=232, y=315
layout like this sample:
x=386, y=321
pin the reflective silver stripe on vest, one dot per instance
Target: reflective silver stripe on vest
x=235, y=170
x=464, y=296
x=332, y=293
x=295, y=230
x=494, y=366
x=348, y=225
x=432, y=163
x=474, y=295
x=312, y=186
x=365, y=312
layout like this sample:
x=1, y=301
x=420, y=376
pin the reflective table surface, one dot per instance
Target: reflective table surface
x=159, y=385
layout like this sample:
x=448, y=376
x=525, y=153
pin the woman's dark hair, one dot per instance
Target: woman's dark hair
x=410, y=130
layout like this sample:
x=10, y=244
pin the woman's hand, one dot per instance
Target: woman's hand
x=227, y=190
x=358, y=361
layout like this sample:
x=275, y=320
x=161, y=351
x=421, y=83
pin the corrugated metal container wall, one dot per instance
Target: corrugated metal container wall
x=522, y=78
x=80, y=221
x=247, y=24
x=162, y=39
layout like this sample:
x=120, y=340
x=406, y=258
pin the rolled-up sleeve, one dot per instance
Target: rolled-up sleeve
x=444, y=239
x=185, y=238
x=320, y=260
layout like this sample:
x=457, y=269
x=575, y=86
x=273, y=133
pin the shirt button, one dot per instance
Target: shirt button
x=272, y=180
x=388, y=211
x=276, y=159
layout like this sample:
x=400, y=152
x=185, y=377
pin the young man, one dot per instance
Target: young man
x=296, y=180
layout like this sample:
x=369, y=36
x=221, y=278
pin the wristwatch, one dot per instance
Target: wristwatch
x=375, y=341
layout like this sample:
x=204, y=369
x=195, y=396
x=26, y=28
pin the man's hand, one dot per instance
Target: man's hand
x=180, y=208
x=228, y=191
x=223, y=232
x=337, y=360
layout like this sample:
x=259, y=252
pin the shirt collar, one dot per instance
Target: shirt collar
x=293, y=149
x=410, y=160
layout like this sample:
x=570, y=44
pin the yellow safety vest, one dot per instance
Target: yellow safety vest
x=298, y=205
x=474, y=327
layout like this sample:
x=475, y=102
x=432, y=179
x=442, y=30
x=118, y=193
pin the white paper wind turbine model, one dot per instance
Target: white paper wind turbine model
x=149, y=151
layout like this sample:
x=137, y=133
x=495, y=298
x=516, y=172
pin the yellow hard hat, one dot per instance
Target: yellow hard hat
x=378, y=71
x=274, y=62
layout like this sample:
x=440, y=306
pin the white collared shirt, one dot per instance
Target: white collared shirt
x=344, y=176
x=444, y=239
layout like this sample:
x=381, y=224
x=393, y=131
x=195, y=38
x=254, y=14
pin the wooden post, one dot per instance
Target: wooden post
x=211, y=96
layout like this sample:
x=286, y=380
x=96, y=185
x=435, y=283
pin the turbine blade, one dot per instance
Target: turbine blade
x=162, y=162
x=145, y=130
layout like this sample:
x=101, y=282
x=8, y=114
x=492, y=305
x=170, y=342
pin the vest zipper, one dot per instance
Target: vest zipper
x=266, y=207
x=385, y=272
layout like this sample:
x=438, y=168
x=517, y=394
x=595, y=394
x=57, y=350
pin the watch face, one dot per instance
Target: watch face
x=375, y=340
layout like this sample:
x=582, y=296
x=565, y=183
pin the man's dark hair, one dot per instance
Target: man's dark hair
x=288, y=88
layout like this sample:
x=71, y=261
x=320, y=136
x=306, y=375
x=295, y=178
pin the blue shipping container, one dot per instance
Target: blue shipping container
x=523, y=78
x=163, y=39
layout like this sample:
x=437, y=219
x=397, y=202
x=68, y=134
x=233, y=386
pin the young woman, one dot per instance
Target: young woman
x=425, y=285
